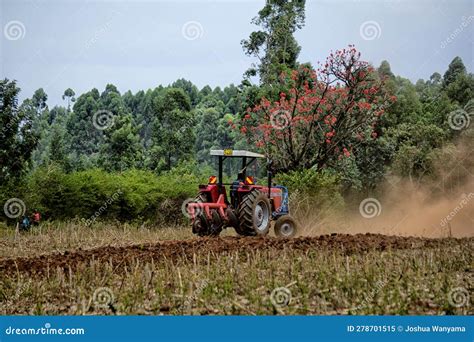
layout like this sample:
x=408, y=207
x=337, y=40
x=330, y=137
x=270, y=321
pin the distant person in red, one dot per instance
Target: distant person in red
x=36, y=217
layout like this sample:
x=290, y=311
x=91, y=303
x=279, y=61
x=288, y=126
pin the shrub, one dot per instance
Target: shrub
x=313, y=191
x=133, y=195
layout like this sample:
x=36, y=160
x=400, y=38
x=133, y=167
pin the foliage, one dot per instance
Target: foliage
x=172, y=132
x=122, y=149
x=455, y=68
x=83, y=137
x=320, y=189
x=17, y=138
x=338, y=119
x=127, y=196
x=323, y=115
x=69, y=96
x=274, y=45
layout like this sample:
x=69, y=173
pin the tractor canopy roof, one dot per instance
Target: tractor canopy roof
x=236, y=153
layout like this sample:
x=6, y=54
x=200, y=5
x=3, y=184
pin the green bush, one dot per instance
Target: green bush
x=311, y=190
x=142, y=196
x=133, y=195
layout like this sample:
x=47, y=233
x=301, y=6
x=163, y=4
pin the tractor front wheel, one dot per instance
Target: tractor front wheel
x=254, y=214
x=285, y=227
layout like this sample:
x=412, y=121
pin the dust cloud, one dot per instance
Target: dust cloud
x=440, y=204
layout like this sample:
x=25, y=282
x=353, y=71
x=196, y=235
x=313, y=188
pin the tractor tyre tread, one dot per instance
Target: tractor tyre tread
x=245, y=213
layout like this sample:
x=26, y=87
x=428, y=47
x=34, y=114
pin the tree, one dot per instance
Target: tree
x=122, y=147
x=69, y=96
x=143, y=112
x=189, y=88
x=384, y=70
x=407, y=108
x=206, y=133
x=172, y=130
x=39, y=100
x=204, y=92
x=84, y=137
x=416, y=146
x=435, y=104
x=212, y=101
x=232, y=99
x=322, y=116
x=435, y=78
x=57, y=114
x=455, y=68
x=17, y=138
x=457, y=83
x=370, y=159
x=39, y=110
x=274, y=45
x=57, y=147
x=47, y=126
x=461, y=89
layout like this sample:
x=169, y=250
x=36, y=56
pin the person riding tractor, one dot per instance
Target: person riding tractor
x=249, y=208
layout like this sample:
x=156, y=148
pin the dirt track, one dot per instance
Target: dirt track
x=174, y=250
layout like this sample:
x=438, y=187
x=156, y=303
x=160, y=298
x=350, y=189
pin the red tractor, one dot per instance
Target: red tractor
x=248, y=208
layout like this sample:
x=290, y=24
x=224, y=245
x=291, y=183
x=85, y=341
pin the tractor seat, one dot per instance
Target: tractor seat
x=233, y=191
x=235, y=185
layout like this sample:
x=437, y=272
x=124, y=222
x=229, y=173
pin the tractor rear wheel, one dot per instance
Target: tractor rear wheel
x=254, y=214
x=285, y=227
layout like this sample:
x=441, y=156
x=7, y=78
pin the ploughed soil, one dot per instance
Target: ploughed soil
x=187, y=249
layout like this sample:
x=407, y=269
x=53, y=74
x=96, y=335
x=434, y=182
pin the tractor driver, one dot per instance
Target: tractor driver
x=240, y=176
x=235, y=185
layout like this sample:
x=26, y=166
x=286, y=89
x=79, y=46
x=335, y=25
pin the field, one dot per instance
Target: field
x=60, y=269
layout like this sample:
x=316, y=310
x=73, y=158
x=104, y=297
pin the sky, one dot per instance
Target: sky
x=135, y=45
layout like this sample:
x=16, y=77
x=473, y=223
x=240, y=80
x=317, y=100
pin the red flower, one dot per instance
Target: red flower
x=346, y=152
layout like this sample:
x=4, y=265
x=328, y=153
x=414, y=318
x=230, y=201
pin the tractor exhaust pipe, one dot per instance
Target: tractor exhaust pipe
x=269, y=176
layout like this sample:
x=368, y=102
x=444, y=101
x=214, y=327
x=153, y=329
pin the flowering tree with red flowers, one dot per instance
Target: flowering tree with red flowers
x=321, y=116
